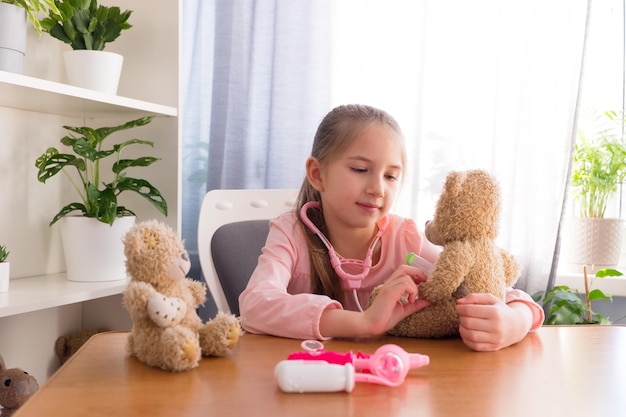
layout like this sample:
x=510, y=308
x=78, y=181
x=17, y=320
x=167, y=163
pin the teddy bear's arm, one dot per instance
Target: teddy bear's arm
x=135, y=298
x=198, y=290
x=453, y=264
x=512, y=268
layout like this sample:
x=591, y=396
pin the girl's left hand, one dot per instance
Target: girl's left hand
x=488, y=324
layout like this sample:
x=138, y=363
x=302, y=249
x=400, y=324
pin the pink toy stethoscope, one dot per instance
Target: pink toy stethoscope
x=354, y=281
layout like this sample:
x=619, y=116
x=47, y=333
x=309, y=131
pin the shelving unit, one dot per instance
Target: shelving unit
x=42, y=304
x=33, y=294
x=33, y=94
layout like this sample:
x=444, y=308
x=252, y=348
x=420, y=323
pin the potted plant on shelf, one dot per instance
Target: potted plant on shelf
x=599, y=168
x=98, y=206
x=4, y=269
x=13, y=30
x=87, y=27
x=565, y=305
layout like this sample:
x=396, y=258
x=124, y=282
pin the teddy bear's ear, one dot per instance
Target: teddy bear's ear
x=61, y=348
x=454, y=183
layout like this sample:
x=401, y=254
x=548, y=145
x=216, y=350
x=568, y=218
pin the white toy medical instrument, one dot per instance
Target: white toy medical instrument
x=354, y=280
x=419, y=262
x=317, y=370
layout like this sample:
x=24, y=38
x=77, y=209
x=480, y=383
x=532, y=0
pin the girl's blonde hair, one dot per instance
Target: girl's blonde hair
x=336, y=132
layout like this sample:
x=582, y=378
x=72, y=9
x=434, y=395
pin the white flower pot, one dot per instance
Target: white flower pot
x=592, y=241
x=94, y=251
x=94, y=70
x=12, y=38
x=4, y=276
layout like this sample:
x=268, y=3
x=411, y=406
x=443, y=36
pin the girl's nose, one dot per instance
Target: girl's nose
x=376, y=187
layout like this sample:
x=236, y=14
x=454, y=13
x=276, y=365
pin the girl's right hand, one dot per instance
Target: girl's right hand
x=388, y=309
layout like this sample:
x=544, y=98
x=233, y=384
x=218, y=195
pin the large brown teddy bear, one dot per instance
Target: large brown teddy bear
x=466, y=224
x=167, y=332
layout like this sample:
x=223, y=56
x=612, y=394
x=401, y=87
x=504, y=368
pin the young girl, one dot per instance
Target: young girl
x=321, y=262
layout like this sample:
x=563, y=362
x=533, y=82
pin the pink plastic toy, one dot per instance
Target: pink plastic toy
x=318, y=370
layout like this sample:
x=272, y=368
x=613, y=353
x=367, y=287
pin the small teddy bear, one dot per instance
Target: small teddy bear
x=466, y=224
x=16, y=386
x=66, y=345
x=167, y=332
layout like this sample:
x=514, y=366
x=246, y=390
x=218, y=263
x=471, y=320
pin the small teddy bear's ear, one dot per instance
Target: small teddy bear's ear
x=454, y=183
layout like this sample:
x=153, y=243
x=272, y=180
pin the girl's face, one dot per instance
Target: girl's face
x=359, y=186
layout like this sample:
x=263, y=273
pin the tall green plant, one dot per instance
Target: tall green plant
x=599, y=163
x=33, y=7
x=84, y=24
x=99, y=198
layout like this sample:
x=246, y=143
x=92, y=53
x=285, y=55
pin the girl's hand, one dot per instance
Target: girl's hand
x=488, y=324
x=395, y=300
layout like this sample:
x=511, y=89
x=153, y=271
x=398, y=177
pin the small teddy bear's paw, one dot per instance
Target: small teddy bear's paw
x=166, y=311
x=220, y=335
x=190, y=350
x=232, y=337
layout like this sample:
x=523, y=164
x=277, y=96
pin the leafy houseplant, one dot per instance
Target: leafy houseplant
x=4, y=253
x=84, y=24
x=87, y=27
x=598, y=169
x=33, y=7
x=4, y=269
x=567, y=306
x=14, y=30
x=599, y=164
x=99, y=198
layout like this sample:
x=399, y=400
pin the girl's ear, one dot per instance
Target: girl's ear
x=314, y=174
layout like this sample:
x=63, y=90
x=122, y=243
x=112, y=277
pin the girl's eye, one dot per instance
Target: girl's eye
x=184, y=256
x=391, y=177
x=358, y=170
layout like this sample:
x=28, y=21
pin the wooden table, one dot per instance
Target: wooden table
x=558, y=371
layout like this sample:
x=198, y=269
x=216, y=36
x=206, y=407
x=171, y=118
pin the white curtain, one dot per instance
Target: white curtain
x=487, y=84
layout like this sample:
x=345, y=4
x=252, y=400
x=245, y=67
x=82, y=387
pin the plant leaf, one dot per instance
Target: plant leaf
x=52, y=162
x=102, y=204
x=607, y=272
x=68, y=209
x=598, y=295
x=122, y=164
x=564, y=314
x=146, y=190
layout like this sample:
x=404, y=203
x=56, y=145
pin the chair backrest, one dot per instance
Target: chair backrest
x=232, y=229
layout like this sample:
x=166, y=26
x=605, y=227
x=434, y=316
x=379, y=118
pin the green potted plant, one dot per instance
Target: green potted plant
x=98, y=206
x=4, y=269
x=4, y=253
x=13, y=30
x=598, y=170
x=87, y=27
x=565, y=305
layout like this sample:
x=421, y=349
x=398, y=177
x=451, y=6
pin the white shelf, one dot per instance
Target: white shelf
x=37, y=293
x=614, y=286
x=27, y=93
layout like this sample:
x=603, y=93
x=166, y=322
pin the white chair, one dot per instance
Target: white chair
x=232, y=229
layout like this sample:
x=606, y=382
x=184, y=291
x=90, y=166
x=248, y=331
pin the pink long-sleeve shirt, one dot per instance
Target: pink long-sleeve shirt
x=278, y=299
